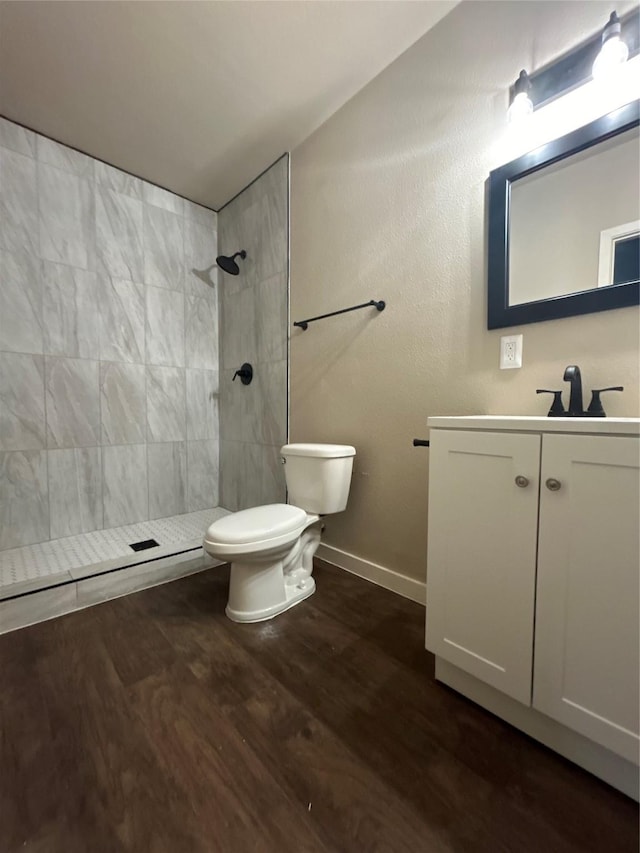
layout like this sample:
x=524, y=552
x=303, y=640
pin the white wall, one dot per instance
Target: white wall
x=388, y=201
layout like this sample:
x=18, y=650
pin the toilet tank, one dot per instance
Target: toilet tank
x=318, y=475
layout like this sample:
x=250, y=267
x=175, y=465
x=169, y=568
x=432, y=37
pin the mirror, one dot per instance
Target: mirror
x=564, y=225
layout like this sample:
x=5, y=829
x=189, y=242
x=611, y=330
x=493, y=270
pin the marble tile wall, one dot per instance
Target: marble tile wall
x=108, y=346
x=254, y=328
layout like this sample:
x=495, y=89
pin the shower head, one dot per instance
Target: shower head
x=228, y=264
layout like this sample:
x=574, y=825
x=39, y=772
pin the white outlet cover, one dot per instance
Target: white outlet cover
x=510, y=352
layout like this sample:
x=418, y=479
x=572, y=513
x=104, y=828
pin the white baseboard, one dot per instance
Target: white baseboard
x=380, y=575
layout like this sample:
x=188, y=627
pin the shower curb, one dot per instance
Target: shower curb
x=30, y=608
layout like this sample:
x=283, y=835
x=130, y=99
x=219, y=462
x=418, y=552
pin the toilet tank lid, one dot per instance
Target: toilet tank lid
x=327, y=451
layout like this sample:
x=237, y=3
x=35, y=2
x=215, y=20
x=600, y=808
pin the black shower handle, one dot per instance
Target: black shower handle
x=245, y=373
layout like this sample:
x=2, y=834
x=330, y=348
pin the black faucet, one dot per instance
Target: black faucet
x=575, y=410
x=572, y=375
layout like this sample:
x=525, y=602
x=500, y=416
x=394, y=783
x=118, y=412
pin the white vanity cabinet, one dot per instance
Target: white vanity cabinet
x=587, y=644
x=533, y=578
x=481, y=559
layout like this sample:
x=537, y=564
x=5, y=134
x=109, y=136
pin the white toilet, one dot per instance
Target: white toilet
x=271, y=547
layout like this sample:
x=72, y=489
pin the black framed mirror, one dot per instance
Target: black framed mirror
x=564, y=225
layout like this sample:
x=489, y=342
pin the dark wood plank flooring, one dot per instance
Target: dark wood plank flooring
x=153, y=723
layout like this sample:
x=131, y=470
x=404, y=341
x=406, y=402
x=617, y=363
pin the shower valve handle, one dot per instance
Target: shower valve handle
x=245, y=373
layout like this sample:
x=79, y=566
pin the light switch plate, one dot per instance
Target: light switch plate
x=510, y=352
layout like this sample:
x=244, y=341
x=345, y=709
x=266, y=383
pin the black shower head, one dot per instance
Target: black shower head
x=228, y=264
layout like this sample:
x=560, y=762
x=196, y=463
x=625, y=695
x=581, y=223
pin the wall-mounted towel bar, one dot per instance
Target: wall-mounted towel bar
x=303, y=324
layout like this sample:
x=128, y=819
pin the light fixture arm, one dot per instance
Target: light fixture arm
x=522, y=84
x=613, y=28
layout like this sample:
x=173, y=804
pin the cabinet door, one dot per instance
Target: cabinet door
x=481, y=556
x=586, y=650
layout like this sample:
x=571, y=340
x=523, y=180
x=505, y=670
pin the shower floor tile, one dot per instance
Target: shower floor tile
x=59, y=560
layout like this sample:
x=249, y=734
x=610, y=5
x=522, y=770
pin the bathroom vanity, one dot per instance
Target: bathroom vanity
x=533, y=571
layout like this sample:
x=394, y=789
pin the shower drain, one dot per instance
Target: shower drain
x=142, y=546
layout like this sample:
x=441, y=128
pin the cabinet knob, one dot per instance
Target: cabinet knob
x=552, y=484
x=522, y=482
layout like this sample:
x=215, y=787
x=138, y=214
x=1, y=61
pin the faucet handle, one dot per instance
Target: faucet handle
x=557, y=409
x=595, y=406
x=245, y=373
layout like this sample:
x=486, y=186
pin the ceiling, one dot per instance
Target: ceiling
x=198, y=97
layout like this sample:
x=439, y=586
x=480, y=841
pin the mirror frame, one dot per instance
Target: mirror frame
x=500, y=314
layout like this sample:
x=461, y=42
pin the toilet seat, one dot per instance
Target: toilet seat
x=256, y=529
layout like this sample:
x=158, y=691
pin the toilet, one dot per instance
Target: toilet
x=271, y=547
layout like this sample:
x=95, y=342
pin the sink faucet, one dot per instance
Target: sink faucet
x=572, y=375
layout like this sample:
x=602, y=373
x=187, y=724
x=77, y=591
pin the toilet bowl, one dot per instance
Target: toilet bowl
x=271, y=547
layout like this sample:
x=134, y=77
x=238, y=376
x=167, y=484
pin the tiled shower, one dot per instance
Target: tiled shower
x=254, y=322
x=110, y=376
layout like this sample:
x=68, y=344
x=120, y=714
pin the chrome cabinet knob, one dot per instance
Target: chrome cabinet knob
x=552, y=484
x=522, y=482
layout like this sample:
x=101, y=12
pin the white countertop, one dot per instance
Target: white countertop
x=532, y=423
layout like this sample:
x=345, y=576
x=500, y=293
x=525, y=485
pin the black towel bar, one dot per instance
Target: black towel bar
x=420, y=442
x=303, y=324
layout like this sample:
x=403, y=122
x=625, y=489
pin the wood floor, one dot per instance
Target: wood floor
x=152, y=723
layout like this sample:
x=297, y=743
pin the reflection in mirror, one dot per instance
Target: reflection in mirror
x=620, y=254
x=575, y=225
x=564, y=225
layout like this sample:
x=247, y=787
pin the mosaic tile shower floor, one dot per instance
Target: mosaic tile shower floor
x=47, y=559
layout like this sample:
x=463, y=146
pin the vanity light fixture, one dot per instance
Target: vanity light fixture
x=596, y=59
x=521, y=104
x=614, y=51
